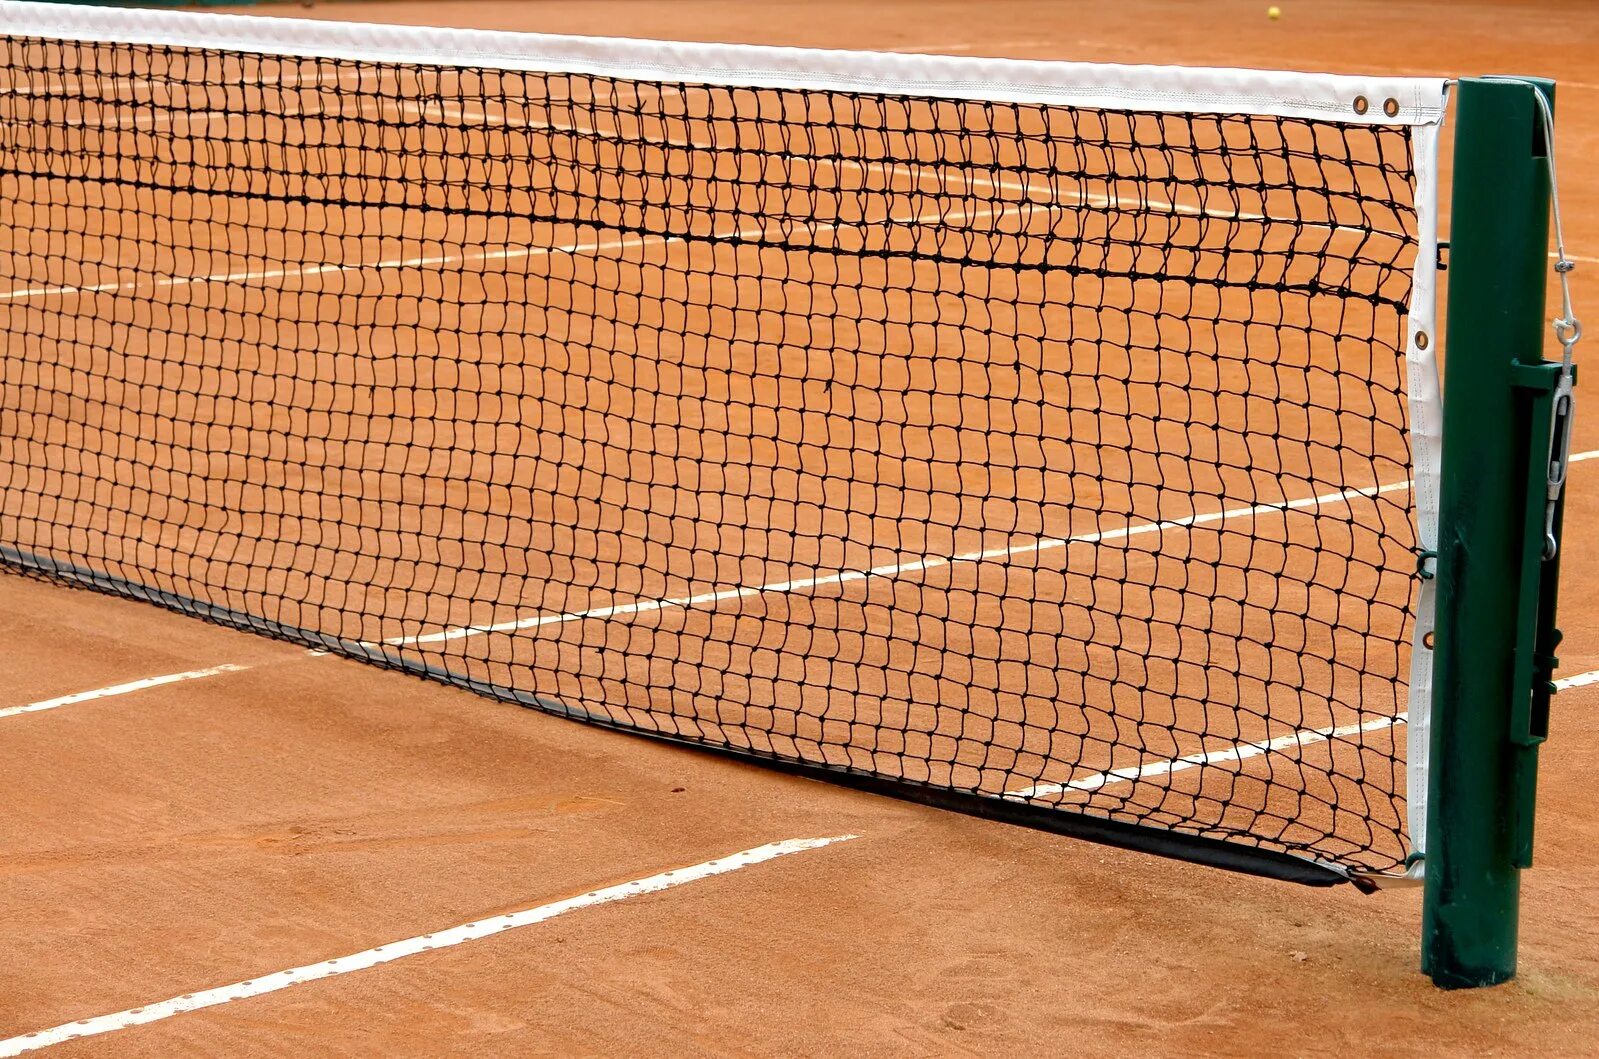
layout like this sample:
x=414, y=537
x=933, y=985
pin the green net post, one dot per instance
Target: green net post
x=1492, y=624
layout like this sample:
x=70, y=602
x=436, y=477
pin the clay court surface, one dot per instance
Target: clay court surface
x=291, y=808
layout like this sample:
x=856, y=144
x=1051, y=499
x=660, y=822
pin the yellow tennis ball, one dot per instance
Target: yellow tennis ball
x=1274, y=13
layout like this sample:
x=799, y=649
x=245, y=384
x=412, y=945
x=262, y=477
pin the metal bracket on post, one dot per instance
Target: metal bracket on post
x=1537, y=383
x=1544, y=386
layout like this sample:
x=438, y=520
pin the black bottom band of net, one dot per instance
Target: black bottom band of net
x=1040, y=462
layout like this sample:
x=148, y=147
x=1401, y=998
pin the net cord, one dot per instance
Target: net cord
x=1355, y=100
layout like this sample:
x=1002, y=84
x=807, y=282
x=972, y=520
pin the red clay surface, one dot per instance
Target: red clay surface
x=210, y=832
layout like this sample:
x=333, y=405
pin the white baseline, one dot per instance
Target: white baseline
x=360, y=961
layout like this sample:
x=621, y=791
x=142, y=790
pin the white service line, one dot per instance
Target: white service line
x=396, y=950
x=1581, y=680
x=1235, y=752
x=645, y=606
x=144, y=119
x=926, y=562
x=1243, y=751
x=843, y=577
x=1240, y=751
x=584, y=246
x=121, y=689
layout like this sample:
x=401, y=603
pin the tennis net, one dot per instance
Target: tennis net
x=1043, y=440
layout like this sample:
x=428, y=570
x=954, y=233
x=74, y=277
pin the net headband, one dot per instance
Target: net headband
x=1354, y=100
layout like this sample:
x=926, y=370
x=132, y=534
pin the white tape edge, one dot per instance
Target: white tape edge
x=1426, y=449
x=1172, y=89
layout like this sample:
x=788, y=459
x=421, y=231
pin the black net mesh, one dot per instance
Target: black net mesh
x=1001, y=449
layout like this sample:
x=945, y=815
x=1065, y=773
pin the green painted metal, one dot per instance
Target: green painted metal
x=1529, y=727
x=1497, y=403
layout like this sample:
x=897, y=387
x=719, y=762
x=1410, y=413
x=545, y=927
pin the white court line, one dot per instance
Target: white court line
x=160, y=282
x=396, y=950
x=143, y=120
x=644, y=606
x=1241, y=751
x=1236, y=752
x=508, y=253
x=929, y=562
x=121, y=689
x=1581, y=680
x=585, y=246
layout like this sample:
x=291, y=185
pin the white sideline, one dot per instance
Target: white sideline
x=396, y=950
x=643, y=606
x=120, y=689
x=932, y=562
x=1237, y=752
x=1578, y=681
x=582, y=246
x=1241, y=751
